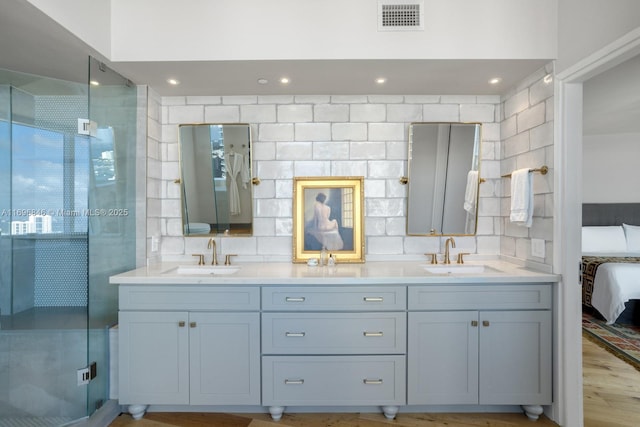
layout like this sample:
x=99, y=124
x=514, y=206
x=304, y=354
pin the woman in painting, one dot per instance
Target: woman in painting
x=321, y=213
x=324, y=229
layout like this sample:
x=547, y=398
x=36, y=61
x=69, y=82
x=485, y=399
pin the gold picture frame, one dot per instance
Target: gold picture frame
x=328, y=211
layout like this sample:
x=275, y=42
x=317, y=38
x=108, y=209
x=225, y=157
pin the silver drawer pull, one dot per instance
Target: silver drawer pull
x=294, y=334
x=372, y=334
x=294, y=299
x=375, y=382
x=373, y=299
x=294, y=382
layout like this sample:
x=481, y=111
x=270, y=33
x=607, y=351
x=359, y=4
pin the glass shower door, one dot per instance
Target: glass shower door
x=111, y=205
x=43, y=279
x=5, y=218
x=67, y=223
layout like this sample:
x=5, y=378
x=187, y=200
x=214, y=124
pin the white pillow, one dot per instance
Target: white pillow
x=632, y=232
x=605, y=239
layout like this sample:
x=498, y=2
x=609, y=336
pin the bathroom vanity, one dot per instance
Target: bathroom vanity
x=293, y=337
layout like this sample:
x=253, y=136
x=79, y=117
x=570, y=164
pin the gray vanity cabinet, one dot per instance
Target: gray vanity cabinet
x=184, y=345
x=332, y=346
x=480, y=344
x=328, y=346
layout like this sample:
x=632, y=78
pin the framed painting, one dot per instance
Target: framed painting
x=328, y=212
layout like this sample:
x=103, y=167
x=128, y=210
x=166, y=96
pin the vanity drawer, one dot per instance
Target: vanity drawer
x=326, y=298
x=333, y=380
x=180, y=297
x=334, y=333
x=478, y=297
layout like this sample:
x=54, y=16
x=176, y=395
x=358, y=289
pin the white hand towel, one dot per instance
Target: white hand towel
x=521, y=197
x=471, y=192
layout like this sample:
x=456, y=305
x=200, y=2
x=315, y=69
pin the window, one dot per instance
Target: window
x=347, y=207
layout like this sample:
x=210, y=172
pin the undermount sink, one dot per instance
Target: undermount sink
x=216, y=270
x=454, y=268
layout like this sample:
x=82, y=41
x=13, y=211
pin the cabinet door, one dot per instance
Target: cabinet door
x=515, y=357
x=442, y=362
x=225, y=358
x=153, y=357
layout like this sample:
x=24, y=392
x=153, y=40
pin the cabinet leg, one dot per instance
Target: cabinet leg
x=137, y=411
x=390, y=411
x=533, y=412
x=276, y=412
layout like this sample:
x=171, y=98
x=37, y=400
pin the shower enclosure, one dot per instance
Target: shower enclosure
x=67, y=222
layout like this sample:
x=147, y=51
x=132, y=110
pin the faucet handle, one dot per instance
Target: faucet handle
x=200, y=258
x=227, y=258
x=461, y=257
x=434, y=257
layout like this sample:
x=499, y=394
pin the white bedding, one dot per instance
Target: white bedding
x=614, y=285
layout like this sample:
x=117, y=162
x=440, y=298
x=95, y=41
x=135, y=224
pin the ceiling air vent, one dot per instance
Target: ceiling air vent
x=400, y=15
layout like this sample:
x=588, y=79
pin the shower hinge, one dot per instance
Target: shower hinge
x=87, y=127
x=87, y=374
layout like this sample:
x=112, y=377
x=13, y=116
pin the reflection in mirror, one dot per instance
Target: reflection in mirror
x=444, y=167
x=215, y=164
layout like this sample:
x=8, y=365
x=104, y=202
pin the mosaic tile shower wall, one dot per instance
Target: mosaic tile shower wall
x=61, y=264
x=61, y=273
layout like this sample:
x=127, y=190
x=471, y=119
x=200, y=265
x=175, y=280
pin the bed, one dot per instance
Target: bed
x=610, y=268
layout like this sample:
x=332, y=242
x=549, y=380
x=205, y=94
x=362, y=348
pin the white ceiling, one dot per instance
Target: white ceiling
x=30, y=42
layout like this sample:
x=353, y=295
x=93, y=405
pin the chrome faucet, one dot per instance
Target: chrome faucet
x=446, y=249
x=212, y=244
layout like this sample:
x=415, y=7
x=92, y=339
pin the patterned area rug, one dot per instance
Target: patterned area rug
x=621, y=340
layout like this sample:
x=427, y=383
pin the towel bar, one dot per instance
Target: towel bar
x=543, y=170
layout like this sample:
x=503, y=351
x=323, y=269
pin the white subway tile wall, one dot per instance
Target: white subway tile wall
x=527, y=142
x=359, y=135
x=156, y=189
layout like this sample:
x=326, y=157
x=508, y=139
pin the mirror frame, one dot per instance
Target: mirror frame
x=407, y=180
x=252, y=181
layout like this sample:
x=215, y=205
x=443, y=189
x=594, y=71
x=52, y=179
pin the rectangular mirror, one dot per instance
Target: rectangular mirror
x=443, y=169
x=215, y=169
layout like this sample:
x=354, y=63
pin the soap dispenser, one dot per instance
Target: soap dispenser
x=323, y=256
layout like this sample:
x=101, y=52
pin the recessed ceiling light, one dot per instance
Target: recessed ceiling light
x=263, y=81
x=381, y=80
x=284, y=80
x=548, y=78
x=495, y=80
x=94, y=83
x=173, y=82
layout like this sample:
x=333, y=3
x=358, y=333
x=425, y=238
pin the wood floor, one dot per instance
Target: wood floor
x=611, y=389
x=156, y=419
x=611, y=399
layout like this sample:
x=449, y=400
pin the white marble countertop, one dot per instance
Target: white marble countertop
x=369, y=273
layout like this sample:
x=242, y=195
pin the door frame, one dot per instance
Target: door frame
x=568, y=406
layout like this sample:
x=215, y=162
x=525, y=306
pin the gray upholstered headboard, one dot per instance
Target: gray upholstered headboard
x=610, y=214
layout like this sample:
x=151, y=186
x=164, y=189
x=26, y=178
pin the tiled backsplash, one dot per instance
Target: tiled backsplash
x=322, y=136
x=355, y=136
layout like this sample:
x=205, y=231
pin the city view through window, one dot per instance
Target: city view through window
x=50, y=177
